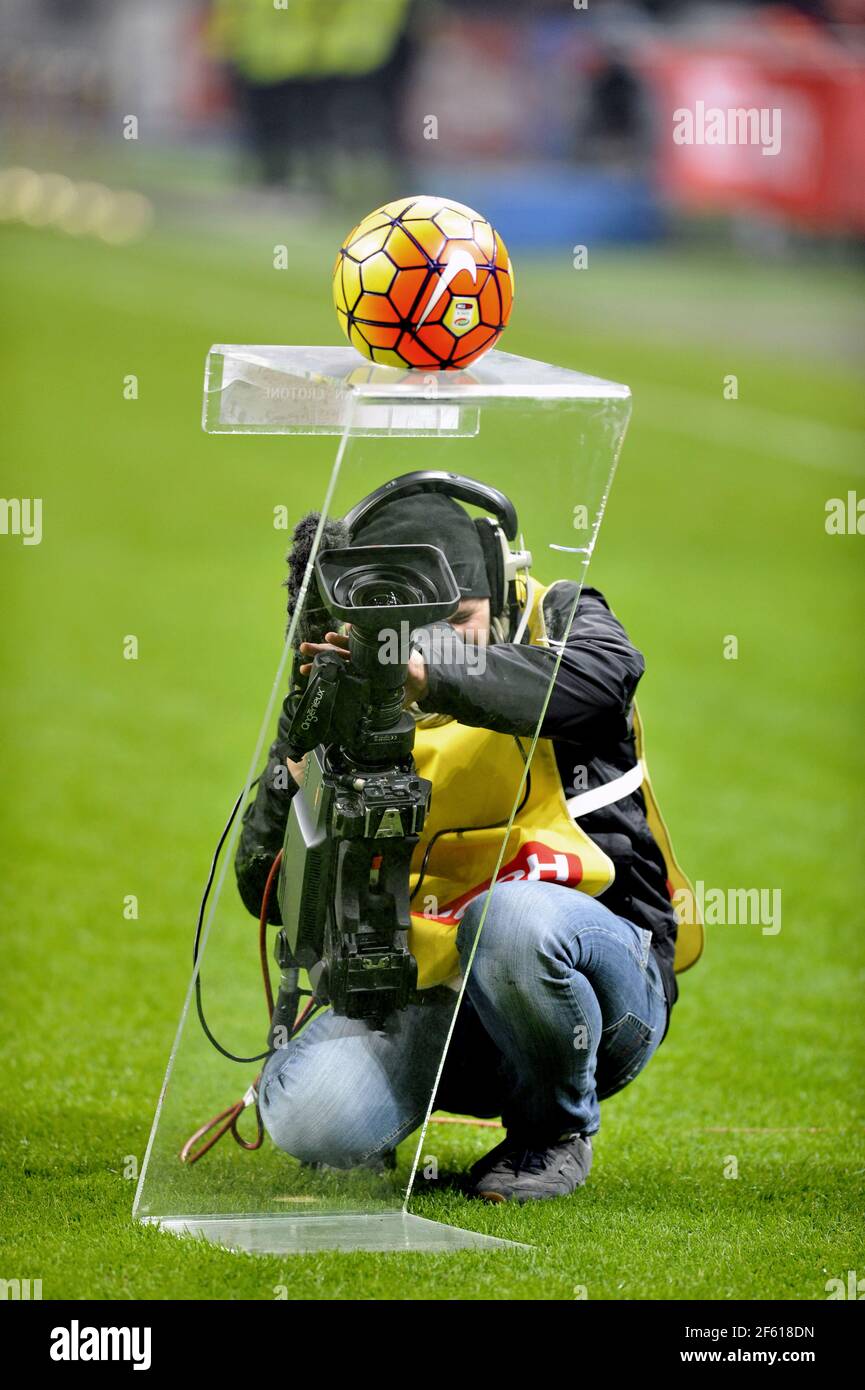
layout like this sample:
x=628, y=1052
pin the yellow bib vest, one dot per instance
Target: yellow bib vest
x=475, y=775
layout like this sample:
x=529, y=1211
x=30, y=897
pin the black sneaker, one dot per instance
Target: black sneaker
x=518, y=1170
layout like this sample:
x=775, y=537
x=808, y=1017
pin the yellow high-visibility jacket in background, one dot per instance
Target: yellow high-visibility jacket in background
x=306, y=38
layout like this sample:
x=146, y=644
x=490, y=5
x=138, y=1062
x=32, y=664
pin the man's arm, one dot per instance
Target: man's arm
x=596, y=681
x=264, y=822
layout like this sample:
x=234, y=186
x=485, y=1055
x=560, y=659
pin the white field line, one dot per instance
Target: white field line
x=754, y=429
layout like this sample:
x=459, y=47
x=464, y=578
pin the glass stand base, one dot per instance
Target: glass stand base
x=296, y=1235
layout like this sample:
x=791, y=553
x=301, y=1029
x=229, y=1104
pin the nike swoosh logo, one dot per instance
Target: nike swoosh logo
x=458, y=260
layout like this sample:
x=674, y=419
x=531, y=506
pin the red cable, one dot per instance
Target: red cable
x=231, y=1116
x=227, y=1119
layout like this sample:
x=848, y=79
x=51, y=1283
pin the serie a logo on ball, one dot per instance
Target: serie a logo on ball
x=423, y=282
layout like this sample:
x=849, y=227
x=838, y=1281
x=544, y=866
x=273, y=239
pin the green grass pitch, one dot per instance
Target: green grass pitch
x=117, y=775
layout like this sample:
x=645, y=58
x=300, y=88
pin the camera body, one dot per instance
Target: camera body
x=352, y=827
x=344, y=884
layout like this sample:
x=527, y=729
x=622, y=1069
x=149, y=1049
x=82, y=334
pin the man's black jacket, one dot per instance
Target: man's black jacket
x=588, y=719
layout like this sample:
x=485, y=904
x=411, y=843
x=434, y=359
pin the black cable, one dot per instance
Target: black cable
x=197, y=940
x=447, y=830
x=462, y=829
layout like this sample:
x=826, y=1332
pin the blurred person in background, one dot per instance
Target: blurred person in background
x=616, y=127
x=314, y=78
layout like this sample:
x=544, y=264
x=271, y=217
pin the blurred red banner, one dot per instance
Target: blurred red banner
x=773, y=126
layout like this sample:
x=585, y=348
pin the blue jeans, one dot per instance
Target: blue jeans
x=564, y=1006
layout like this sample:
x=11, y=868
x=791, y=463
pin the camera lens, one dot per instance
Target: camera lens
x=377, y=587
x=381, y=587
x=379, y=593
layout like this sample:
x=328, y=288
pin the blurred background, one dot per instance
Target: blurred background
x=553, y=116
x=179, y=173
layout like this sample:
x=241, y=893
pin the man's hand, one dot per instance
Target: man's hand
x=416, y=684
x=333, y=642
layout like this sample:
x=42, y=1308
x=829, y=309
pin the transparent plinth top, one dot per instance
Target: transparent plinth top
x=271, y=389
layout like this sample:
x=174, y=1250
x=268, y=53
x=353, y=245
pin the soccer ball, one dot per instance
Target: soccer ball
x=423, y=282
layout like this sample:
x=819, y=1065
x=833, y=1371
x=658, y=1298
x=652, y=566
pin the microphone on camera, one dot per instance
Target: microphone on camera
x=314, y=619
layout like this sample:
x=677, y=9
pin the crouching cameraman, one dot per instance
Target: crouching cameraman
x=572, y=977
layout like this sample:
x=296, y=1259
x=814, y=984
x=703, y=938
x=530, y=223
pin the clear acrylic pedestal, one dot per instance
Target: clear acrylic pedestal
x=549, y=438
x=298, y=1235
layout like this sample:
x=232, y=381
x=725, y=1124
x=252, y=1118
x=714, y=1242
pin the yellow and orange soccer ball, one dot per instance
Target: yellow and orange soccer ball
x=423, y=282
